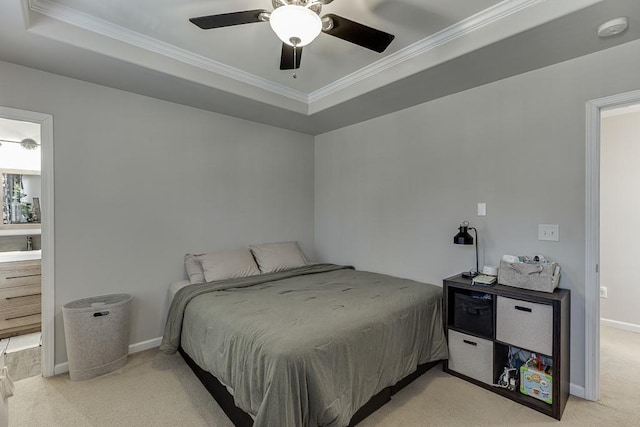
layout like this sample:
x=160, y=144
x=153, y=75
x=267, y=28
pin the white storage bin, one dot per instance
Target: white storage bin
x=527, y=325
x=471, y=356
x=97, y=334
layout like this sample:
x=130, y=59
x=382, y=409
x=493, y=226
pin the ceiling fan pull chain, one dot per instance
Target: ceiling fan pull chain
x=294, y=41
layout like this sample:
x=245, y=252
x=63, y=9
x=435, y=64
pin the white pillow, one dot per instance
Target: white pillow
x=227, y=265
x=194, y=269
x=273, y=257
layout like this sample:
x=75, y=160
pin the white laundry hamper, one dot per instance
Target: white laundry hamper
x=97, y=334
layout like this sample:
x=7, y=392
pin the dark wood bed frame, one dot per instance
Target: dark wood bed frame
x=242, y=419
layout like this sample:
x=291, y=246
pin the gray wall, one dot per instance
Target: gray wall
x=390, y=192
x=139, y=182
x=619, y=214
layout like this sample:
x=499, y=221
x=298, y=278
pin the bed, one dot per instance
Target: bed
x=320, y=345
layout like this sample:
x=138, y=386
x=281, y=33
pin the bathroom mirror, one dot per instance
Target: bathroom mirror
x=21, y=191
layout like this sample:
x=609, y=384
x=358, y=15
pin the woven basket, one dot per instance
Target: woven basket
x=536, y=277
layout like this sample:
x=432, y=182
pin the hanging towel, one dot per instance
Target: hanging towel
x=6, y=384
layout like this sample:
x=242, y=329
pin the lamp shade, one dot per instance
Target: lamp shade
x=292, y=23
x=463, y=237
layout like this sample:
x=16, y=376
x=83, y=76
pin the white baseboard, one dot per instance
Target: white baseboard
x=62, y=368
x=145, y=345
x=620, y=325
x=576, y=390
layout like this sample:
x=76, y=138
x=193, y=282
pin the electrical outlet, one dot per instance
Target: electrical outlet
x=548, y=232
x=604, y=292
x=482, y=209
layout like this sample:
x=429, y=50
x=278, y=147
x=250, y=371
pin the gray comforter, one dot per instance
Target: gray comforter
x=310, y=346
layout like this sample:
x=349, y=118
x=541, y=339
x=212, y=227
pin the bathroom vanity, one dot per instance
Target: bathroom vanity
x=20, y=289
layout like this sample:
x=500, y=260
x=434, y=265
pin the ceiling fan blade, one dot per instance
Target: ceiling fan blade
x=228, y=19
x=359, y=34
x=286, y=59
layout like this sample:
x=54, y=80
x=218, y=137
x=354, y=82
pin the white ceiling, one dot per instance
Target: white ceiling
x=441, y=47
x=620, y=111
x=15, y=130
x=255, y=49
x=12, y=155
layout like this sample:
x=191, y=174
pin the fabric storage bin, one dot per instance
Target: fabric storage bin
x=525, y=324
x=471, y=356
x=543, y=277
x=97, y=334
x=473, y=313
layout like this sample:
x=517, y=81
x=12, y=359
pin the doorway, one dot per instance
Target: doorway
x=619, y=215
x=27, y=217
x=594, y=110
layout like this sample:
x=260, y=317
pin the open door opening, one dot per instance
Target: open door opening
x=594, y=239
x=26, y=243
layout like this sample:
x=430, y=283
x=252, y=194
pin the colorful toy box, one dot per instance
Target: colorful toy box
x=536, y=383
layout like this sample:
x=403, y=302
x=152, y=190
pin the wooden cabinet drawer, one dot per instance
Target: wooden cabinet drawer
x=19, y=273
x=19, y=295
x=527, y=325
x=471, y=356
x=20, y=299
x=20, y=325
x=20, y=316
x=20, y=311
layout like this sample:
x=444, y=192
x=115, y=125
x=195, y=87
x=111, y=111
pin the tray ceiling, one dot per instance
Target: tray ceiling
x=255, y=49
x=150, y=47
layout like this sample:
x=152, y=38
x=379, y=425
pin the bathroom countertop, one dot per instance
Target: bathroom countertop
x=20, y=256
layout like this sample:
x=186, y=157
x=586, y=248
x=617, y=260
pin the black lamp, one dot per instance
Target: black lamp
x=464, y=238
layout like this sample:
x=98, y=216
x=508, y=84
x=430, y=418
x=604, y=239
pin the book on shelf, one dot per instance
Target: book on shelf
x=484, y=280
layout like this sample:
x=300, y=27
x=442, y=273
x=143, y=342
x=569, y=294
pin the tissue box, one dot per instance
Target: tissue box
x=543, y=277
x=536, y=384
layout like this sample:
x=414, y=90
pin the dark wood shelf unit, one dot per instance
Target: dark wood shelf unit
x=559, y=302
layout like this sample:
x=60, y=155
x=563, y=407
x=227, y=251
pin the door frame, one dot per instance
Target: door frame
x=592, y=238
x=45, y=121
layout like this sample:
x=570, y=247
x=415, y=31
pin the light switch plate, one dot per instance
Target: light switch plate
x=548, y=232
x=482, y=209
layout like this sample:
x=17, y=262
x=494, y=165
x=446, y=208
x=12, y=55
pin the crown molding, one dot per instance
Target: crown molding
x=473, y=23
x=91, y=23
x=481, y=19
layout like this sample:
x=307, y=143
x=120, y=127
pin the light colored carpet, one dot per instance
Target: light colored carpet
x=151, y=390
x=157, y=390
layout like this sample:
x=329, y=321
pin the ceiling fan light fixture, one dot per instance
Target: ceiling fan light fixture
x=292, y=23
x=29, y=144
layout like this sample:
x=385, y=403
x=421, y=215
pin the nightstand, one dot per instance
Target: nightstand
x=486, y=324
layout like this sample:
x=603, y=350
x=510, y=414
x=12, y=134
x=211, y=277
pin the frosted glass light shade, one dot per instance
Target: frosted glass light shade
x=294, y=21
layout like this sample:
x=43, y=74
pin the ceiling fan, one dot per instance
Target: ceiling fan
x=297, y=23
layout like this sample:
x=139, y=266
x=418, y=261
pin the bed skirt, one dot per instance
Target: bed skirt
x=242, y=419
